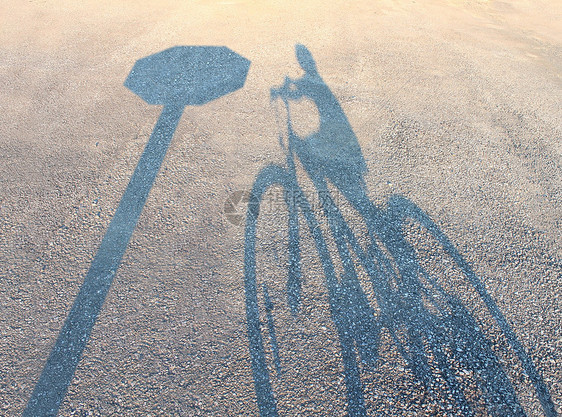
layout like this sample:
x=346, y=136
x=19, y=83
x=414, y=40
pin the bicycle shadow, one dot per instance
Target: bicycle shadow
x=434, y=332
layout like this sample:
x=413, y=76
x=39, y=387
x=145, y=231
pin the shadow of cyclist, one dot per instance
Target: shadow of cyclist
x=434, y=342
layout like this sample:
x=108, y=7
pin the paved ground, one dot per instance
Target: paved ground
x=456, y=107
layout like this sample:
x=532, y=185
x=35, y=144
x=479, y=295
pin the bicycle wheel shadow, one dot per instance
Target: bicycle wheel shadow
x=435, y=333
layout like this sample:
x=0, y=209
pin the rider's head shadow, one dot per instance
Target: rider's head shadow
x=434, y=342
x=306, y=61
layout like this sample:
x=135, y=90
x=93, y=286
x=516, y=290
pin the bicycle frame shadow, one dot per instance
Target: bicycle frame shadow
x=448, y=332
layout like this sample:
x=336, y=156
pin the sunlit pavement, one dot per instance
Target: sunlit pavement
x=454, y=110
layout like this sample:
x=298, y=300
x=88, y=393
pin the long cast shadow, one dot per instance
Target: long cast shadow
x=447, y=332
x=175, y=78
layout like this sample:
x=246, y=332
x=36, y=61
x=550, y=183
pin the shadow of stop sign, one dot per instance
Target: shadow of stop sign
x=175, y=78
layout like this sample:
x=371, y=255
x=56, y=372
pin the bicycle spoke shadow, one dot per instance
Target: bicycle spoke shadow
x=434, y=332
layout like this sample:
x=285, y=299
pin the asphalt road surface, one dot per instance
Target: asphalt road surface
x=390, y=245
